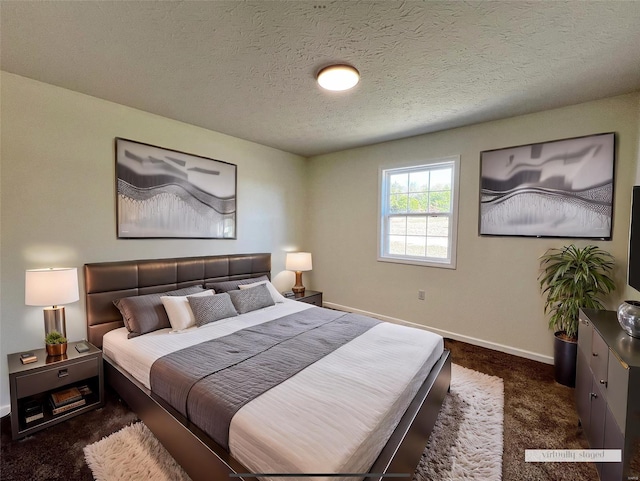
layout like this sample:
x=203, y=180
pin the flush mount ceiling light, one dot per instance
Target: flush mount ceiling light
x=338, y=77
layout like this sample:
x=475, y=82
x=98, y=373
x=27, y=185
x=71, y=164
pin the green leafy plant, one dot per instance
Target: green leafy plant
x=572, y=278
x=54, y=337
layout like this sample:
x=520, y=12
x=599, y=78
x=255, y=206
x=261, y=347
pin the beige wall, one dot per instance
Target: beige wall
x=492, y=298
x=57, y=208
x=58, y=200
x=630, y=292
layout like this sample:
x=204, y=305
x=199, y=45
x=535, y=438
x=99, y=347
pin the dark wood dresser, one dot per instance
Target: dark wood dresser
x=608, y=391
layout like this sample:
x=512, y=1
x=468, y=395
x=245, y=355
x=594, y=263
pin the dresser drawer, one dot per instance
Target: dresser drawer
x=48, y=379
x=584, y=383
x=585, y=333
x=599, y=359
x=618, y=389
x=597, y=418
x=613, y=439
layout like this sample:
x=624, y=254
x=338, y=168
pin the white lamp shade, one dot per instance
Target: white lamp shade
x=51, y=287
x=298, y=261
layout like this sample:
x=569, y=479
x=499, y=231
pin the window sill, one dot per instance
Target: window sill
x=418, y=262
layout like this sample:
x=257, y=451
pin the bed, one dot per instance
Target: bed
x=392, y=443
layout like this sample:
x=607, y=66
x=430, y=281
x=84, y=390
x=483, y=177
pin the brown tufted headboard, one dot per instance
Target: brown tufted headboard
x=106, y=281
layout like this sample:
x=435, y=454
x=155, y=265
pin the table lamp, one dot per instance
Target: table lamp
x=52, y=287
x=298, y=262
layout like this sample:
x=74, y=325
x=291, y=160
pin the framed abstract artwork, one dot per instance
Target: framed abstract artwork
x=163, y=193
x=562, y=188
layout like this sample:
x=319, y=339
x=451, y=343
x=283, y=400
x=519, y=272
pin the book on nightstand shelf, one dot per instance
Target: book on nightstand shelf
x=33, y=411
x=67, y=407
x=67, y=396
x=33, y=417
x=85, y=390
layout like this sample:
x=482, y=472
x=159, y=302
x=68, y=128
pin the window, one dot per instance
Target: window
x=418, y=213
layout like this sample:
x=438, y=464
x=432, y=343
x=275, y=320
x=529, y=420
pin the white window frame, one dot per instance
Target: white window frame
x=383, y=215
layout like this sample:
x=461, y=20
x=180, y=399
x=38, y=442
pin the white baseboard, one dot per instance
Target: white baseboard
x=451, y=335
x=4, y=410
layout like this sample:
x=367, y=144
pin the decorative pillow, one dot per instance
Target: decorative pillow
x=143, y=314
x=247, y=300
x=277, y=297
x=178, y=310
x=208, y=309
x=226, y=286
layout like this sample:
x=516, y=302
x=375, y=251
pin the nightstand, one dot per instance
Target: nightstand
x=31, y=386
x=310, y=297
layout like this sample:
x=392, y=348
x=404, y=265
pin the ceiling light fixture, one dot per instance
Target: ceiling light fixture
x=338, y=77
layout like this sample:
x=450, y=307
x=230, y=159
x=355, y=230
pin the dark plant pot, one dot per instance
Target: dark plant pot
x=564, y=360
x=56, y=349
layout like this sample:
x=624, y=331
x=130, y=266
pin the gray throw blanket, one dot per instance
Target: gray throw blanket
x=209, y=382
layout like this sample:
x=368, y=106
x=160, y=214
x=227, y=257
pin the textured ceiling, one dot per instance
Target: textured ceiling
x=248, y=69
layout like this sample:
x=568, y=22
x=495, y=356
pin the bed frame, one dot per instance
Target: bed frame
x=200, y=456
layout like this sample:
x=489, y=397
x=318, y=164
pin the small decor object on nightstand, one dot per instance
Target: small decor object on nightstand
x=27, y=357
x=56, y=344
x=298, y=262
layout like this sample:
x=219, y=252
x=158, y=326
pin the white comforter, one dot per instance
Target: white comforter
x=335, y=416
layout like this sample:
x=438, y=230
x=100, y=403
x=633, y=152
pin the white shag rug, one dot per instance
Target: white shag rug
x=466, y=443
x=133, y=453
x=467, y=440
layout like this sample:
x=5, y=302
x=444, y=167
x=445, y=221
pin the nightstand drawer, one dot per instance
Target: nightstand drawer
x=316, y=300
x=48, y=379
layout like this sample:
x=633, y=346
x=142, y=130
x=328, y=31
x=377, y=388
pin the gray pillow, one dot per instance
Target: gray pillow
x=247, y=300
x=225, y=286
x=143, y=314
x=211, y=308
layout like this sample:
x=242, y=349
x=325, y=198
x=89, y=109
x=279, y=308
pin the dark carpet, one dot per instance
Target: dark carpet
x=55, y=454
x=538, y=414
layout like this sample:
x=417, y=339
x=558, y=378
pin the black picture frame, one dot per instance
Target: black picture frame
x=166, y=193
x=634, y=241
x=561, y=188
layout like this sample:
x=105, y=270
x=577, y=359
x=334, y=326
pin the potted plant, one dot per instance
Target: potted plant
x=56, y=343
x=572, y=278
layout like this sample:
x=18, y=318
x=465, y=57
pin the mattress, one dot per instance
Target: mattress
x=335, y=416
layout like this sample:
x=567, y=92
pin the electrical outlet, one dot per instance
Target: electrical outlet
x=421, y=295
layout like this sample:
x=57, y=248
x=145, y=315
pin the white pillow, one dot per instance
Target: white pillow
x=277, y=297
x=179, y=312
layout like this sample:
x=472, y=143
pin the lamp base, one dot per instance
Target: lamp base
x=298, y=288
x=54, y=320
